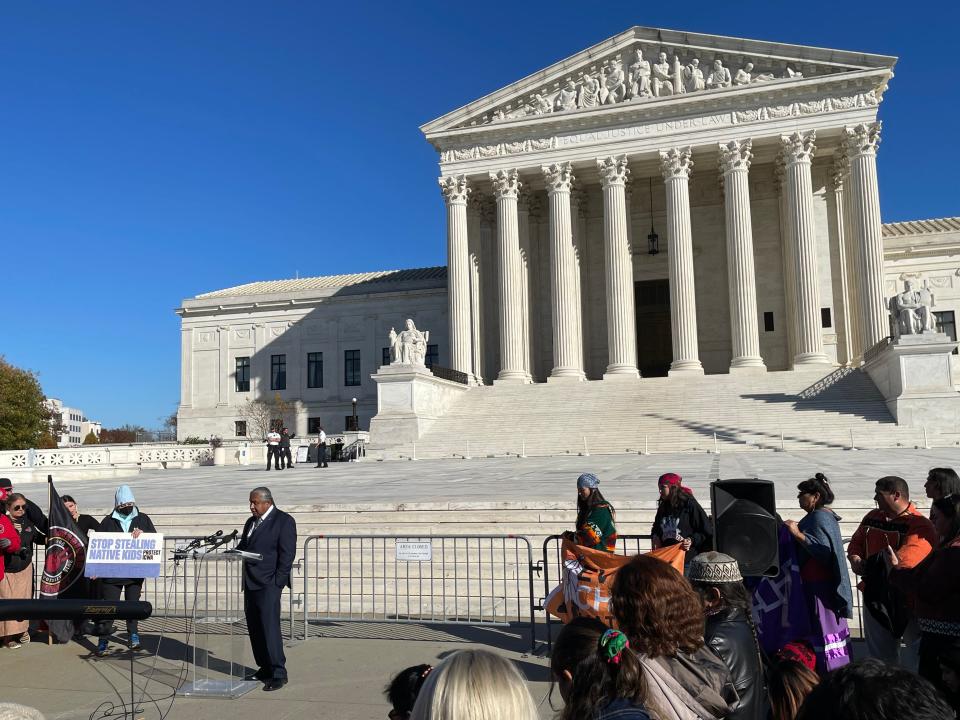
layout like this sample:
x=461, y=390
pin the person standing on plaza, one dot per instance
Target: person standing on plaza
x=679, y=518
x=286, y=459
x=273, y=534
x=83, y=587
x=941, y=482
x=896, y=522
x=935, y=583
x=321, y=449
x=826, y=582
x=273, y=449
x=729, y=630
x=596, y=519
x=17, y=581
x=125, y=518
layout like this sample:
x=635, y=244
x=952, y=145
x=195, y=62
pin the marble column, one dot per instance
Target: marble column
x=226, y=372
x=621, y=318
x=735, y=158
x=861, y=144
x=523, y=227
x=579, y=205
x=839, y=178
x=797, y=150
x=676, y=164
x=476, y=209
x=455, y=192
x=853, y=261
x=506, y=185
x=565, y=300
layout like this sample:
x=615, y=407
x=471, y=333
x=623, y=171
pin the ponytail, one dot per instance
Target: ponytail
x=820, y=485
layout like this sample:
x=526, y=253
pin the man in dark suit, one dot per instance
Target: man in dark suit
x=272, y=533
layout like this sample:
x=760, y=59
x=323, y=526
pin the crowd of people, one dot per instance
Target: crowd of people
x=689, y=645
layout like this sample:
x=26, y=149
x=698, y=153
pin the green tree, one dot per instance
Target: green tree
x=24, y=415
x=91, y=439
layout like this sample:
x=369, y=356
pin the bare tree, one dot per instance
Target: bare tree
x=258, y=414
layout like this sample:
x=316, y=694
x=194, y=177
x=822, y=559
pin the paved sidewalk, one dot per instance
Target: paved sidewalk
x=340, y=676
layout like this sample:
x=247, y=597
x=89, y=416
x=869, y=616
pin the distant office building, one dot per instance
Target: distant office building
x=74, y=423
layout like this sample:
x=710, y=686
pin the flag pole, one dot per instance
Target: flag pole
x=47, y=538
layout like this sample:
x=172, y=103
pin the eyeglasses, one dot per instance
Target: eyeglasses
x=19, y=507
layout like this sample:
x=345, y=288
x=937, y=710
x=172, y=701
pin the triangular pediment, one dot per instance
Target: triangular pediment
x=650, y=65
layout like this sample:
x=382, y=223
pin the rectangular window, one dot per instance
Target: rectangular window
x=278, y=372
x=947, y=324
x=240, y=428
x=825, y=319
x=315, y=370
x=313, y=425
x=242, y=374
x=433, y=356
x=768, y=321
x=386, y=356
x=351, y=368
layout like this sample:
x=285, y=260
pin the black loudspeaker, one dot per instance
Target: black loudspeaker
x=746, y=524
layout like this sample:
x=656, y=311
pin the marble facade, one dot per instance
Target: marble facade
x=754, y=161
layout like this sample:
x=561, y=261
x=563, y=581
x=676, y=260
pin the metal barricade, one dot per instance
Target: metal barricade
x=552, y=562
x=439, y=579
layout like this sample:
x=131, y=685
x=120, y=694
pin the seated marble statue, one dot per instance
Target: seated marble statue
x=911, y=310
x=409, y=347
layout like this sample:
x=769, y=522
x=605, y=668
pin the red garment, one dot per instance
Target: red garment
x=910, y=534
x=673, y=480
x=10, y=533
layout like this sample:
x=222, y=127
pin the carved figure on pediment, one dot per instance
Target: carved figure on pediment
x=639, y=77
x=744, y=75
x=693, y=76
x=567, y=97
x=541, y=106
x=409, y=347
x=613, y=88
x=911, y=312
x=589, y=93
x=791, y=73
x=720, y=76
x=662, y=80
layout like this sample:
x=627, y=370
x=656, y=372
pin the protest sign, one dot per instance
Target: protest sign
x=120, y=555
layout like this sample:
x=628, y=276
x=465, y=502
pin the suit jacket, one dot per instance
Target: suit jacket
x=276, y=540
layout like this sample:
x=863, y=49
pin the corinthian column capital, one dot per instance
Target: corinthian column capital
x=506, y=183
x=798, y=147
x=454, y=188
x=559, y=177
x=613, y=170
x=736, y=155
x=676, y=163
x=862, y=139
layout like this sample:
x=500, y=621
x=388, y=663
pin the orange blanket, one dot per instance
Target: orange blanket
x=586, y=579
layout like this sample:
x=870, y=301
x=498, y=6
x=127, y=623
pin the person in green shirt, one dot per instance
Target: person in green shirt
x=596, y=519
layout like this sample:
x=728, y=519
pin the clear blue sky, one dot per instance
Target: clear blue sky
x=151, y=151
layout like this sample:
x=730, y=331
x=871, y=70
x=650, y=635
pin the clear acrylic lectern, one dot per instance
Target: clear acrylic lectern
x=219, y=635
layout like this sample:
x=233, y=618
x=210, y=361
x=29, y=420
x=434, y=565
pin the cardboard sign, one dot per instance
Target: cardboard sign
x=414, y=551
x=120, y=555
x=302, y=451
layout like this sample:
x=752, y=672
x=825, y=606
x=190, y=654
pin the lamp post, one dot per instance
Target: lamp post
x=353, y=421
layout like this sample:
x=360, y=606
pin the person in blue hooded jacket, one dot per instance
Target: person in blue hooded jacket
x=126, y=518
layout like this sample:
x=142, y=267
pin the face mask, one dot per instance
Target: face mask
x=125, y=510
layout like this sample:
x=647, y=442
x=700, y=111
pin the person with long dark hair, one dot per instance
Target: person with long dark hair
x=729, y=630
x=679, y=518
x=826, y=582
x=403, y=690
x=16, y=582
x=941, y=482
x=596, y=518
x=791, y=676
x=662, y=617
x=935, y=583
x=600, y=677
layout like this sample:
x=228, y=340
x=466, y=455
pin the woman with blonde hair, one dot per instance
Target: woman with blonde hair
x=475, y=685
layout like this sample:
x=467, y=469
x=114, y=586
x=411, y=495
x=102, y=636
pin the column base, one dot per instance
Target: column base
x=562, y=375
x=747, y=365
x=808, y=359
x=685, y=367
x=513, y=377
x=621, y=372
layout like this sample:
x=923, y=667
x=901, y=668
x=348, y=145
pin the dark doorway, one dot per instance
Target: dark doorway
x=654, y=345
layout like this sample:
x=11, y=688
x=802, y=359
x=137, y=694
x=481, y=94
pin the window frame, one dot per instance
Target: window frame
x=237, y=367
x=312, y=363
x=278, y=371
x=352, y=362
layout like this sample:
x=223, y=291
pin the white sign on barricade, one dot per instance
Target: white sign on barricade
x=120, y=555
x=302, y=451
x=420, y=551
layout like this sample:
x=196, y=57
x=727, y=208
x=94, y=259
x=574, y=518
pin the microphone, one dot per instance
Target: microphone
x=211, y=538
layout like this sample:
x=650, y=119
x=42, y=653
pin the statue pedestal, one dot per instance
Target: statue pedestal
x=915, y=377
x=409, y=399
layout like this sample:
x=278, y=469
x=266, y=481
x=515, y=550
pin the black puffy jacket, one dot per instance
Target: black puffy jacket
x=729, y=635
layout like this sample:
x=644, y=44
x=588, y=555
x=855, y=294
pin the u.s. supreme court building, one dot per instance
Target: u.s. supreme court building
x=662, y=204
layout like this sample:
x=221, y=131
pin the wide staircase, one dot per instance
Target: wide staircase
x=776, y=410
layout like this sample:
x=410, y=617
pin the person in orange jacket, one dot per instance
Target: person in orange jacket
x=898, y=524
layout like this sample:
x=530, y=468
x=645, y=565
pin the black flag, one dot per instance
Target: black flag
x=66, y=555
